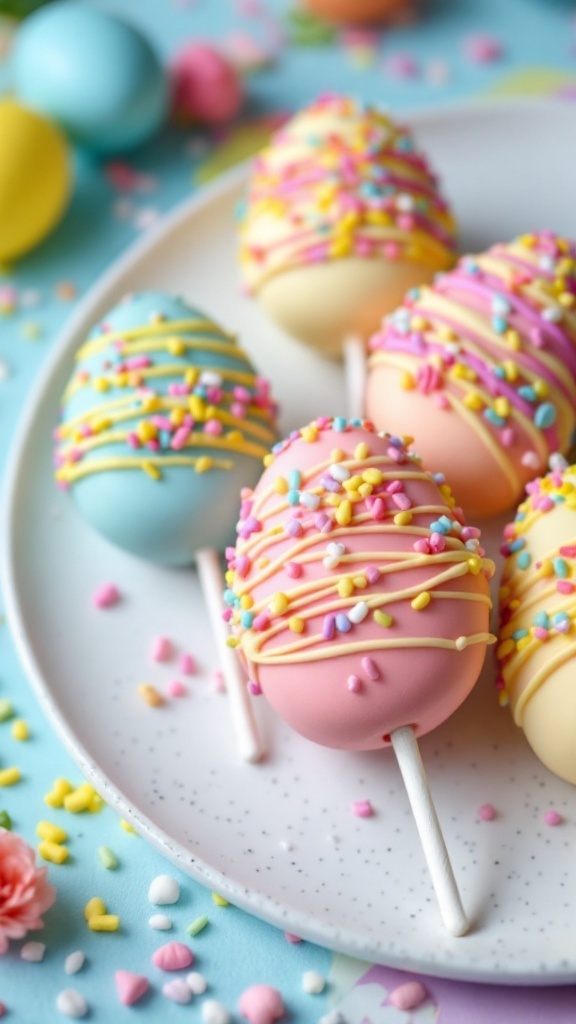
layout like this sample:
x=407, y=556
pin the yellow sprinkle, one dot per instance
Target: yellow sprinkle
x=407, y=382
x=94, y=908
x=354, y=496
x=345, y=586
x=340, y=247
x=146, y=431
x=336, y=455
x=365, y=490
x=403, y=518
x=352, y=483
x=151, y=470
x=177, y=416
x=176, y=346
x=279, y=604
x=503, y=698
x=151, y=403
x=513, y=339
x=502, y=407
x=104, y=923
x=473, y=401
x=197, y=408
x=281, y=485
x=191, y=376
x=528, y=241
x=541, y=387
x=53, y=852
x=100, y=384
x=96, y=803
x=246, y=601
x=230, y=576
x=80, y=799
x=360, y=582
x=421, y=601
x=373, y=476
x=344, y=513
x=546, y=569
x=150, y=695
x=98, y=425
x=361, y=451
x=20, y=729
x=203, y=464
x=296, y=624
x=523, y=642
x=8, y=776
x=503, y=593
x=418, y=323
x=506, y=647
x=474, y=565
x=510, y=369
x=445, y=333
x=382, y=618
x=60, y=789
x=268, y=460
x=514, y=605
x=127, y=827
x=262, y=562
x=219, y=900
x=309, y=434
x=51, y=833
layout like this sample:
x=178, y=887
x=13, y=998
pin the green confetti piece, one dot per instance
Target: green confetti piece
x=197, y=926
x=108, y=858
x=6, y=709
x=5, y=820
x=305, y=29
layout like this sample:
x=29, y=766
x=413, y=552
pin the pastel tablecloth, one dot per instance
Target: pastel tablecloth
x=421, y=64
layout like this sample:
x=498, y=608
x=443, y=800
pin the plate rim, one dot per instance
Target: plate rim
x=248, y=900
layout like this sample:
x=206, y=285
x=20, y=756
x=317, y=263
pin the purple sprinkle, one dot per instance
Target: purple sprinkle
x=321, y=521
x=330, y=484
x=328, y=627
x=254, y=688
x=249, y=526
x=294, y=528
x=343, y=624
x=370, y=668
x=372, y=574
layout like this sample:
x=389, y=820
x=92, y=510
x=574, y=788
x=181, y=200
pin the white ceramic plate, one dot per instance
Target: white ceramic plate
x=279, y=839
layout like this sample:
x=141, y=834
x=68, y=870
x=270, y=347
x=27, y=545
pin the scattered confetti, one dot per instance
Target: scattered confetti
x=160, y=922
x=196, y=983
x=313, y=983
x=52, y=833
x=362, y=809
x=197, y=926
x=107, y=858
x=408, y=996
x=74, y=962
x=162, y=649
x=486, y=812
x=94, y=907
x=9, y=776
x=553, y=818
x=177, y=990
x=150, y=695
x=177, y=689
x=33, y=952
x=6, y=709
x=214, y=1012
x=219, y=900
x=131, y=987
x=482, y=49
x=174, y=956
x=261, y=1004
x=106, y=595
x=53, y=852
x=71, y=1003
x=20, y=729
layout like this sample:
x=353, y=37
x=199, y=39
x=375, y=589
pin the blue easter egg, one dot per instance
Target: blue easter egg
x=92, y=73
x=164, y=420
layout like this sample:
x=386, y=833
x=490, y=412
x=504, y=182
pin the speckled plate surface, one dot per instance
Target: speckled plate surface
x=279, y=839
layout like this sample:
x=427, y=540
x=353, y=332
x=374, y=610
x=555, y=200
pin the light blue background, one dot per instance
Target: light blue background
x=235, y=950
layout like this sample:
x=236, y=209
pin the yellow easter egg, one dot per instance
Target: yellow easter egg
x=35, y=178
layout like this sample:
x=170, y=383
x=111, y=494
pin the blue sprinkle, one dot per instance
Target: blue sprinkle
x=164, y=438
x=517, y=545
x=524, y=559
x=560, y=567
x=519, y=633
x=229, y=598
x=339, y=424
x=413, y=293
x=294, y=479
x=470, y=267
x=246, y=619
x=541, y=619
x=356, y=422
x=560, y=618
x=293, y=497
x=500, y=305
x=494, y=418
x=343, y=624
x=499, y=324
x=200, y=390
x=545, y=415
x=439, y=478
x=499, y=372
x=404, y=144
x=527, y=393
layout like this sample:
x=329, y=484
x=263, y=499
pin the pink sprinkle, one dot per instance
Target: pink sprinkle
x=441, y=400
x=553, y=818
x=174, y=956
x=530, y=460
x=131, y=987
x=378, y=509
x=254, y=688
x=261, y=1004
x=486, y=812
x=370, y=668
x=402, y=65
x=294, y=528
x=106, y=595
x=187, y=665
x=422, y=546
x=507, y=436
x=402, y=501
x=261, y=622
x=568, y=551
x=540, y=633
x=372, y=574
x=437, y=542
x=354, y=684
x=362, y=809
x=162, y=649
x=482, y=49
x=292, y=938
x=564, y=587
x=218, y=684
x=408, y=996
x=293, y=570
x=213, y=427
x=133, y=440
x=180, y=438
x=177, y=688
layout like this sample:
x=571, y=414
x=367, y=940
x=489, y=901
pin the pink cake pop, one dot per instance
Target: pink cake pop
x=358, y=597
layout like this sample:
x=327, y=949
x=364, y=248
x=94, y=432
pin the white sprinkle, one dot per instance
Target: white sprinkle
x=552, y=313
x=334, y=1017
x=460, y=643
x=33, y=952
x=74, y=962
x=210, y=379
x=530, y=460
x=163, y=889
x=313, y=983
x=546, y=262
x=405, y=202
x=145, y=218
x=453, y=347
x=196, y=983
x=334, y=553
x=500, y=305
x=339, y=472
x=214, y=1012
x=4, y=371
x=557, y=462
x=311, y=501
x=358, y=613
x=473, y=544
x=177, y=990
x=160, y=922
x=285, y=845
x=71, y=1003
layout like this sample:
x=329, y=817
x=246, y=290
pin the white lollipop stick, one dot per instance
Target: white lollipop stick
x=354, y=352
x=210, y=573
x=414, y=776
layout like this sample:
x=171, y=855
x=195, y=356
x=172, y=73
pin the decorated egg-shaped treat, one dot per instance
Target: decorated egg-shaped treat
x=342, y=216
x=481, y=367
x=537, y=642
x=163, y=421
x=358, y=597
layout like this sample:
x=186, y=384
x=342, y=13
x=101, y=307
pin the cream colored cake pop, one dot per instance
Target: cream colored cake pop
x=537, y=648
x=342, y=216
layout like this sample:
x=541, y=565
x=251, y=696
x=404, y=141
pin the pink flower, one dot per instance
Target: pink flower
x=25, y=892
